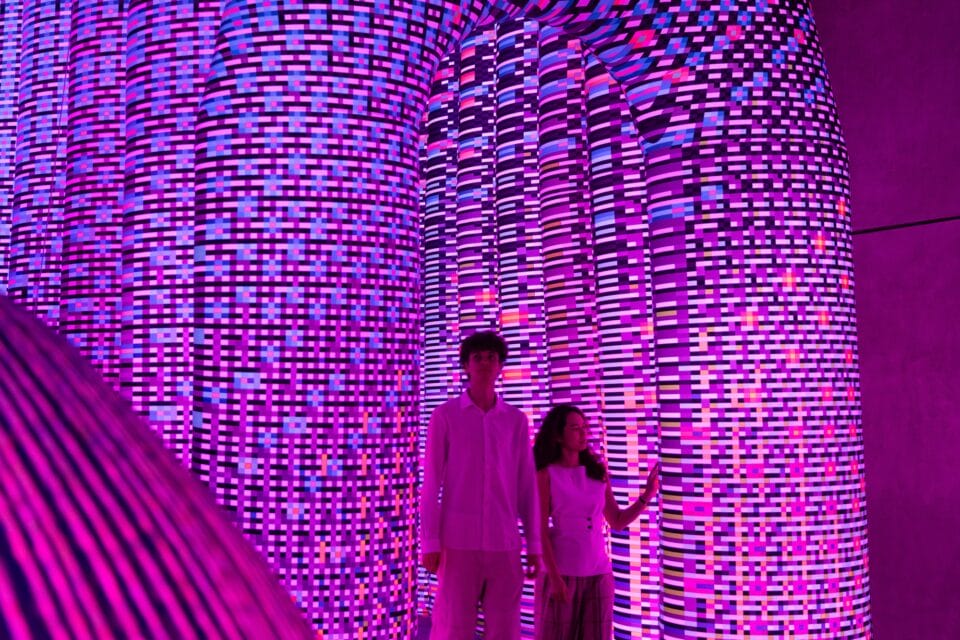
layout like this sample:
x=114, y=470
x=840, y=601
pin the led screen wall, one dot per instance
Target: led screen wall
x=533, y=224
x=221, y=206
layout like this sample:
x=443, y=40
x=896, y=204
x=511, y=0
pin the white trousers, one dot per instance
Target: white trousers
x=494, y=579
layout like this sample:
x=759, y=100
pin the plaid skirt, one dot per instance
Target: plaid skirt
x=587, y=616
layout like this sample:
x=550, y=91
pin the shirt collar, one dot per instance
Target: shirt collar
x=466, y=402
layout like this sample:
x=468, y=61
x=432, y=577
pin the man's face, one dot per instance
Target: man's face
x=483, y=367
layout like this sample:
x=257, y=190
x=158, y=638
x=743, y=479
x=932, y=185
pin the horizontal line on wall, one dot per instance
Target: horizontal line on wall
x=904, y=225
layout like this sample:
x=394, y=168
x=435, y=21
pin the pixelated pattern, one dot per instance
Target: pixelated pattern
x=439, y=317
x=560, y=272
x=36, y=239
x=625, y=364
x=707, y=251
x=749, y=236
x=90, y=294
x=519, y=238
x=169, y=44
x=103, y=535
x=220, y=206
x=307, y=266
x=10, y=30
x=566, y=227
x=477, y=258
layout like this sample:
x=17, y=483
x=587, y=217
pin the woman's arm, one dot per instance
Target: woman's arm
x=555, y=587
x=543, y=489
x=621, y=518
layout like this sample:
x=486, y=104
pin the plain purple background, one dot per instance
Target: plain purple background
x=893, y=65
x=895, y=71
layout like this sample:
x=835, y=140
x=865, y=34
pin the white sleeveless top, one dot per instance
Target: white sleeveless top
x=576, y=509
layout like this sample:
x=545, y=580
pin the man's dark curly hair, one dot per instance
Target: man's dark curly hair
x=482, y=341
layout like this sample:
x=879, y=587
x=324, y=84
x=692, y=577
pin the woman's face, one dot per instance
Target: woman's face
x=575, y=433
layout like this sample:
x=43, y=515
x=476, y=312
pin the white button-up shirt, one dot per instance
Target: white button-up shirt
x=483, y=466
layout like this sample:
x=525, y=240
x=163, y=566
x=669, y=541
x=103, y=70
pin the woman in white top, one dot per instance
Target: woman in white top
x=575, y=594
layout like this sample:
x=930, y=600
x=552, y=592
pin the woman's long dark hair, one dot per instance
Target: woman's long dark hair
x=547, y=448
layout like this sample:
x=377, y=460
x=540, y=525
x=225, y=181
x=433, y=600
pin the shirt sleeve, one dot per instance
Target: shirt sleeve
x=528, y=498
x=434, y=467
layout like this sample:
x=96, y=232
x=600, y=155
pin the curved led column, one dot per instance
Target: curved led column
x=626, y=368
x=10, y=29
x=168, y=46
x=103, y=534
x=739, y=242
x=35, y=247
x=93, y=189
x=762, y=522
x=306, y=314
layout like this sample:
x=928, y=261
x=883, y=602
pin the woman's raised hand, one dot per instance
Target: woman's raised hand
x=653, y=483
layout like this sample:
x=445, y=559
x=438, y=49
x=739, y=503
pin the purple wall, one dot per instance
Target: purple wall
x=893, y=69
x=908, y=308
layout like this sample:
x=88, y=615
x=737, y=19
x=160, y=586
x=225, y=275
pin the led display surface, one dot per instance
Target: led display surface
x=269, y=224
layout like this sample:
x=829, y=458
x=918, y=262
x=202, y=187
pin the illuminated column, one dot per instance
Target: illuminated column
x=307, y=269
x=9, y=90
x=627, y=372
x=526, y=382
x=477, y=273
x=168, y=47
x=763, y=526
x=566, y=226
x=90, y=288
x=37, y=216
x=104, y=535
x=439, y=309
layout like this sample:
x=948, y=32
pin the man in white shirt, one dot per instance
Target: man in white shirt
x=479, y=458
